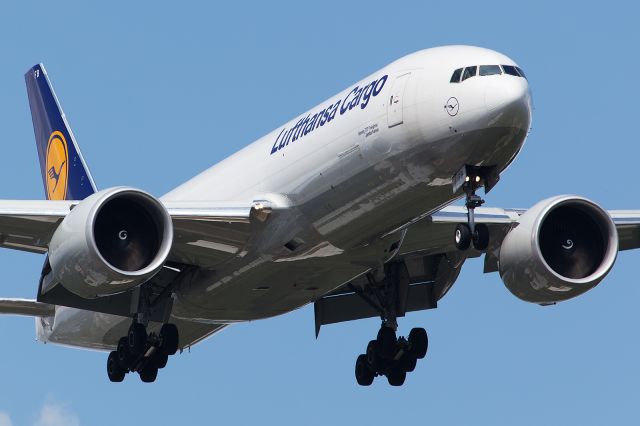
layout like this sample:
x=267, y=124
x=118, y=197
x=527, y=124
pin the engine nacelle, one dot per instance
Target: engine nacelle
x=110, y=242
x=561, y=247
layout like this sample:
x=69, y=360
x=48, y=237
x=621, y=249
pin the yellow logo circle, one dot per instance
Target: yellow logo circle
x=57, y=166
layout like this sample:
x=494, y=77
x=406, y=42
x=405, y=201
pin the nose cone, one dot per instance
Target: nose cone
x=508, y=100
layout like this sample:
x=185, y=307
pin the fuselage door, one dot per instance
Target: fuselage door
x=394, y=105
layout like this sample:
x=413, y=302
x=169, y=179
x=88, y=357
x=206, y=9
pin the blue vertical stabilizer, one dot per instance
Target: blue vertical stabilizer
x=64, y=172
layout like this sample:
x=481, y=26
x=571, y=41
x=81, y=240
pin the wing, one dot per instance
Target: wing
x=28, y=225
x=433, y=262
x=627, y=223
x=205, y=234
x=433, y=234
x=628, y=226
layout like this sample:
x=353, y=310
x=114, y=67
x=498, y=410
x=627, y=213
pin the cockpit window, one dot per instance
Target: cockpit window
x=455, y=78
x=461, y=74
x=490, y=70
x=511, y=70
x=521, y=72
x=469, y=72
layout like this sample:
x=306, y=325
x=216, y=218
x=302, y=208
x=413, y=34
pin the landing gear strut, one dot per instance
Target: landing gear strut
x=142, y=352
x=389, y=355
x=472, y=232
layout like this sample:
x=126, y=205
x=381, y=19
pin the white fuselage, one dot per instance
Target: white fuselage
x=344, y=178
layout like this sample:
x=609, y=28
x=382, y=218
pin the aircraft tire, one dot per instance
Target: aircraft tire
x=364, y=375
x=387, y=342
x=462, y=236
x=481, y=237
x=170, y=338
x=373, y=355
x=124, y=356
x=137, y=339
x=114, y=370
x=419, y=342
x=396, y=376
x=160, y=359
x=408, y=361
x=148, y=373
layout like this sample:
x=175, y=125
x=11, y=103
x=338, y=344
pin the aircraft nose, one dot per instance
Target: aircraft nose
x=505, y=91
x=510, y=97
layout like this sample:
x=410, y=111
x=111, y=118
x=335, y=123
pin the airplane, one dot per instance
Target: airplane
x=348, y=206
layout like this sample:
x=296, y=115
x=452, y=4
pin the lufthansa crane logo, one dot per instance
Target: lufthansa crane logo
x=57, y=166
x=452, y=107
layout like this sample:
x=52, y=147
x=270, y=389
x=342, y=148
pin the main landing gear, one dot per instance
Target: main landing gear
x=471, y=232
x=142, y=352
x=389, y=355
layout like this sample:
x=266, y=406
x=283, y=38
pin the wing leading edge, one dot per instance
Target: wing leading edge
x=28, y=225
x=627, y=221
x=204, y=231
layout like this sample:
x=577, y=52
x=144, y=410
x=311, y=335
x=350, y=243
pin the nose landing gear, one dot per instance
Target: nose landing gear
x=470, y=179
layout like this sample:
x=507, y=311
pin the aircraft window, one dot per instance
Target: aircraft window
x=511, y=70
x=490, y=70
x=521, y=72
x=469, y=72
x=455, y=78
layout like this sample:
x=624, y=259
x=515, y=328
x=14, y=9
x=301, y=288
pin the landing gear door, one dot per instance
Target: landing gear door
x=394, y=105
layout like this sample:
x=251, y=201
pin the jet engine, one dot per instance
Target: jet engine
x=560, y=248
x=110, y=242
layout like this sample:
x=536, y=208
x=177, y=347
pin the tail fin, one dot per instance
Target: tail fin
x=64, y=173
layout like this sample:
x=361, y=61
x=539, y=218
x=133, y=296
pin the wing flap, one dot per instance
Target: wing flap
x=488, y=215
x=26, y=307
x=349, y=306
x=208, y=211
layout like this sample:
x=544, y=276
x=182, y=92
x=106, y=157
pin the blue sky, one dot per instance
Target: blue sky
x=156, y=93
